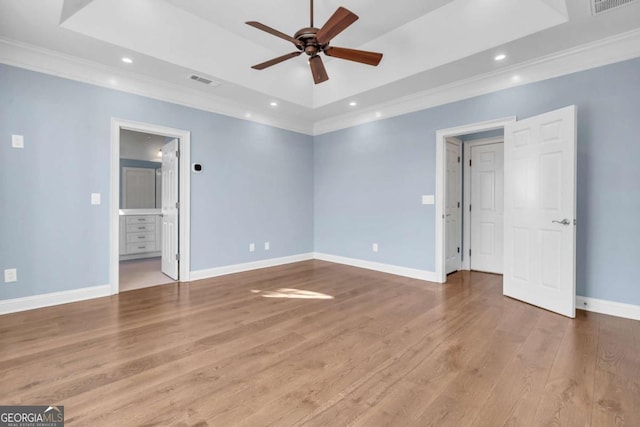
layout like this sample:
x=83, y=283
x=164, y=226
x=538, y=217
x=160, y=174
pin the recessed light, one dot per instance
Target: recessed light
x=248, y=115
x=127, y=60
x=113, y=82
x=353, y=104
x=378, y=114
x=273, y=103
x=500, y=57
x=516, y=78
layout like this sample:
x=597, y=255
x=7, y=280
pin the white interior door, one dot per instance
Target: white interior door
x=453, y=218
x=170, y=209
x=540, y=206
x=487, y=207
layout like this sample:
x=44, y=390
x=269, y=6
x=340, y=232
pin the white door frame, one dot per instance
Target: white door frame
x=466, y=194
x=185, y=195
x=441, y=136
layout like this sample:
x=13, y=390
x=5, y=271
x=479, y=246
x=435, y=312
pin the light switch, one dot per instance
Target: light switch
x=375, y=247
x=252, y=247
x=267, y=246
x=428, y=200
x=10, y=275
x=17, y=141
x=95, y=198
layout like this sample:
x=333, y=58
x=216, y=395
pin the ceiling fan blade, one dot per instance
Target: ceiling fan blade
x=370, y=58
x=318, y=70
x=276, y=33
x=340, y=20
x=275, y=61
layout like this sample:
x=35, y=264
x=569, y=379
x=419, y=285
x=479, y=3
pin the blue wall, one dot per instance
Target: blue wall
x=346, y=189
x=482, y=135
x=257, y=183
x=369, y=178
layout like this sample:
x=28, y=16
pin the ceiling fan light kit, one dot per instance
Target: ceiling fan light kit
x=313, y=41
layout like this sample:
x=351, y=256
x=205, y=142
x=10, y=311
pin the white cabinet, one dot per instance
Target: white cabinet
x=140, y=236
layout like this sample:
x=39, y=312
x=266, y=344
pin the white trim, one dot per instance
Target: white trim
x=606, y=51
x=376, y=266
x=58, y=64
x=457, y=142
x=612, y=308
x=466, y=196
x=185, y=194
x=55, y=298
x=441, y=136
x=617, y=48
x=248, y=266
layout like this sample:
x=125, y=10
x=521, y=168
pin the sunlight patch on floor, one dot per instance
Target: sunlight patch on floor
x=292, y=293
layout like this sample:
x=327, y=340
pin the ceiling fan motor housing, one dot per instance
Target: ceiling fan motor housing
x=308, y=37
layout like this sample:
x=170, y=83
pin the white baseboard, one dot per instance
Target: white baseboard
x=611, y=308
x=384, y=268
x=247, y=266
x=46, y=300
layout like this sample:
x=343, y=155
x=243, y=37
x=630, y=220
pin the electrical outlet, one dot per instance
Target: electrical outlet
x=95, y=198
x=252, y=247
x=10, y=275
x=267, y=246
x=375, y=247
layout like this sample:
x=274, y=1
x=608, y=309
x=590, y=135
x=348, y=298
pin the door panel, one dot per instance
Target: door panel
x=487, y=177
x=540, y=205
x=170, y=209
x=453, y=219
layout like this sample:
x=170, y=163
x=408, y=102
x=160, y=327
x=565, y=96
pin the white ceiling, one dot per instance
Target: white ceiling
x=426, y=44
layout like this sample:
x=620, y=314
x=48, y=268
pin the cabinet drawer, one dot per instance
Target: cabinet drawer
x=141, y=228
x=141, y=219
x=141, y=237
x=134, y=248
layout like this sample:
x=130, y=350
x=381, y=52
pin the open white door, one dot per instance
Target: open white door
x=453, y=211
x=170, y=209
x=540, y=206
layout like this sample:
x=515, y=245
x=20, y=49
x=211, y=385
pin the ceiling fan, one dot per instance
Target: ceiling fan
x=313, y=40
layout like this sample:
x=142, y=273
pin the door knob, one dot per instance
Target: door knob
x=563, y=222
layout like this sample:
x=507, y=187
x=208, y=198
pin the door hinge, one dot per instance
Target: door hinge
x=458, y=204
x=458, y=249
x=177, y=205
x=469, y=162
x=469, y=252
x=469, y=207
x=458, y=159
x=178, y=153
x=177, y=257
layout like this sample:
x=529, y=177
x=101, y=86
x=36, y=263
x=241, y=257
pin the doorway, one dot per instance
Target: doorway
x=149, y=205
x=539, y=252
x=474, y=179
x=450, y=196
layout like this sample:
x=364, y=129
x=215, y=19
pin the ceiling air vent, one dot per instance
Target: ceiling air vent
x=600, y=6
x=203, y=80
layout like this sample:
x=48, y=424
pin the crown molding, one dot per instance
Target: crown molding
x=610, y=50
x=58, y=64
x=613, y=49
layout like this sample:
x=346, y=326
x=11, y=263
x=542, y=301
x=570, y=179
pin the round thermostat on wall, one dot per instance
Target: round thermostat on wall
x=196, y=167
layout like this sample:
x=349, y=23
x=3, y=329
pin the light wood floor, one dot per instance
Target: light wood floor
x=384, y=351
